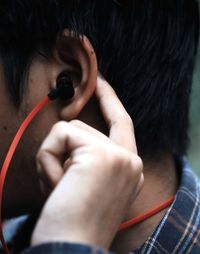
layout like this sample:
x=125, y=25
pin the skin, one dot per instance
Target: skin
x=161, y=179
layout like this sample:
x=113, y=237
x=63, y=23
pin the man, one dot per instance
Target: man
x=91, y=169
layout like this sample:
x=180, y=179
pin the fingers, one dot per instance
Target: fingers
x=89, y=129
x=115, y=115
x=50, y=170
x=64, y=138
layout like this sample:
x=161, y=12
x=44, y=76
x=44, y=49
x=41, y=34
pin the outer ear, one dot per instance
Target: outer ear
x=79, y=59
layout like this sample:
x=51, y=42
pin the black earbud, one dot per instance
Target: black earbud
x=64, y=88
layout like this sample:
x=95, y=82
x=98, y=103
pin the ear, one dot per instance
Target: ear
x=78, y=59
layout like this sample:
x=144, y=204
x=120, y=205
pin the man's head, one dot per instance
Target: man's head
x=145, y=49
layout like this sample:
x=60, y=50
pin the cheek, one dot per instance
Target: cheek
x=22, y=179
x=8, y=128
x=38, y=130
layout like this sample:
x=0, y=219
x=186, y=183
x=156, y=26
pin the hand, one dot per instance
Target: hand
x=97, y=182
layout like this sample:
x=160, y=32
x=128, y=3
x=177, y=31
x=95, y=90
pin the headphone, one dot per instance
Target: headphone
x=64, y=88
x=64, y=91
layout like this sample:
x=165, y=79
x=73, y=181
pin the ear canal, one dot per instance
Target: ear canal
x=64, y=88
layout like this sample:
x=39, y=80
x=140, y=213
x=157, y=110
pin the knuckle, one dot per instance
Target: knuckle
x=58, y=126
x=137, y=165
x=76, y=122
x=122, y=160
x=113, y=157
x=129, y=122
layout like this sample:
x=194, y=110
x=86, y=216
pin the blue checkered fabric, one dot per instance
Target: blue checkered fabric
x=179, y=231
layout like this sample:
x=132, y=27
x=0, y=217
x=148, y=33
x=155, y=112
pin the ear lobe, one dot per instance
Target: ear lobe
x=80, y=60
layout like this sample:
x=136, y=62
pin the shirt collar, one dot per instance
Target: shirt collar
x=177, y=227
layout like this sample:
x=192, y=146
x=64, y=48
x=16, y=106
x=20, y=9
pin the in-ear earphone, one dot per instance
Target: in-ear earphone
x=64, y=88
x=64, y=91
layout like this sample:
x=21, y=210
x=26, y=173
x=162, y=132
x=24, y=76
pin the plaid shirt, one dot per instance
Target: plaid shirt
x=178, y=232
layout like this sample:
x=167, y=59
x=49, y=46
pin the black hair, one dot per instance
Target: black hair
x=146, y=50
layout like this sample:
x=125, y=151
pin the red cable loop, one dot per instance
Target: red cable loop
x=9, y=157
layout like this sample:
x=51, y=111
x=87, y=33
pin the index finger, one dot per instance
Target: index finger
x=118, y=120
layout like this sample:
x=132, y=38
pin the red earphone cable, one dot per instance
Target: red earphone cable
x=9, y=156
x=138, y=219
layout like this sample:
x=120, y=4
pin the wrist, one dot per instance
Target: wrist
x=71, y=235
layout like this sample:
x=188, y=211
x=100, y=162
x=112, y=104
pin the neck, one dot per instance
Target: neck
x=160, y=184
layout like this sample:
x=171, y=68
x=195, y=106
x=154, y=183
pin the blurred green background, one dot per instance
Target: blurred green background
x=194, y=152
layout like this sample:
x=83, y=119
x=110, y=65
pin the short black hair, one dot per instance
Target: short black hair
x=146, y=50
